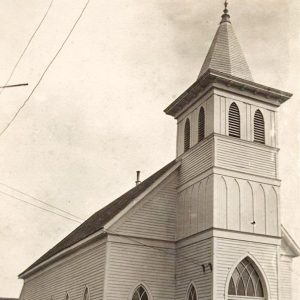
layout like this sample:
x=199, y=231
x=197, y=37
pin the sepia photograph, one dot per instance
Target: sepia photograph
x=150, y=150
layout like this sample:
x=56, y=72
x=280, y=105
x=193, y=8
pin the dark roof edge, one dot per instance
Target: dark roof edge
x=211, y=74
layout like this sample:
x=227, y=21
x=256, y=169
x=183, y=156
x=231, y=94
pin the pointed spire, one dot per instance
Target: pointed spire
x=225, y=16
x=225, y=53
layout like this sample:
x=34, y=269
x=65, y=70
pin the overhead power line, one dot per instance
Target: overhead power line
x=27, y=46
x=38, y=200
x=46, y=70
x=42, y=208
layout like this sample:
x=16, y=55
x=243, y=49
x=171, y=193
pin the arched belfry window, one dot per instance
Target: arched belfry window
x=140, y=293
x=192, y=294
x=234, y=121
x=201, y=125
x=187, y=135
x=245, y=281
x=259, y=127
x=86, y=295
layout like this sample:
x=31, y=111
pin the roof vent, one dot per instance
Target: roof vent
x=138, y=173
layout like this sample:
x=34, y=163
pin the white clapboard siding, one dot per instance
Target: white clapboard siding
x=71, y=274
x=241, y=156
x=237, y=203
x=129, y=265
x=285, y=282
x=197, y=161
x=228, y=252
x=189, y=269
x=195, y=208
x=155, y=215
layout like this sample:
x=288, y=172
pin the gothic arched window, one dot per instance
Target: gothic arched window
x=201, y=125
x=245, y=281
x=234, y=121
x=67, y=296
x=259, y=127
x=192, y=294
x=140, y=294
x=187, y=135
x=86, y=295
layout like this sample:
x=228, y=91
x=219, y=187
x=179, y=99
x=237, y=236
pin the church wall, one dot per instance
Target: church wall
x=227, y=254
x=242, y=156
x=132, y=262
x=285, y=275
x=197, y=160
x=189, y=261
x=195, y=208
x=237, y=203
x=83, y=268
x=155, y=216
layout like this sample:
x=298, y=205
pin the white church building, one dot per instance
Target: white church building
x=207, y=225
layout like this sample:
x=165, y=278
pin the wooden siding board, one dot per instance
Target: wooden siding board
x=154, y=216
x=188, y=269
x=132, y=264
x=242, y=157
x=70, y=275
x=285, y=282
x=197, y=161
x=228, y=252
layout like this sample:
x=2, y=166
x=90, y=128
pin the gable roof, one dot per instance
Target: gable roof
x=97, y=221
x=225, y=54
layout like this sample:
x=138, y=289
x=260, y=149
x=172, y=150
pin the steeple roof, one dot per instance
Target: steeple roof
x=225, y=54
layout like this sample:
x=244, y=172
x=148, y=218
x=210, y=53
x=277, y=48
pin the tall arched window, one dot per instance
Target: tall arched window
x=140, y=294
x=192, y=294
x=201, y=125
x=245, y=281
x=234, y=121
x=86, y=295
x=259, y=127
x=187, y=135
x=67, y=296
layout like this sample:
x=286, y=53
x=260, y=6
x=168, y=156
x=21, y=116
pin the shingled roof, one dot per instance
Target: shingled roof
x=225, y=54
x=97, y=221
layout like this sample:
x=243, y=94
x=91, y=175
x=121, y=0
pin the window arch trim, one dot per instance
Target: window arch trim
x=258, y=269
x=136, y=286
x=190, y=286
x=259, y=127
x=201, y=124
x=234, y=120
x=187, y=135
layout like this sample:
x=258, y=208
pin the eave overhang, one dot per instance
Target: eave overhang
x=216, y=79
x=293, y=246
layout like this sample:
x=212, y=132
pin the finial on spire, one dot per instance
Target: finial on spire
x=225, y=16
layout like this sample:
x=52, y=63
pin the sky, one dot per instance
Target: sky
x=97, y=116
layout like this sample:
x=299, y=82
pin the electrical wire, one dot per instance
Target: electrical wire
x=28, y=44
x=42, y=208
x=36, y=199
x=46, y=70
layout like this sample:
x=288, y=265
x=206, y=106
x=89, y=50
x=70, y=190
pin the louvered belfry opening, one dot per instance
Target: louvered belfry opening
x=245, y=281
x=187, y=135
x=201, y=125
x=259, y=127
x=234, y=121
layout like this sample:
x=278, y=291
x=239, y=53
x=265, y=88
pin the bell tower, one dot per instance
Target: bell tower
x=227, y=142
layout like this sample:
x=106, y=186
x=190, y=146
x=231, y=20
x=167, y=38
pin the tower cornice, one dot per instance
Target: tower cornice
x=216, y=79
